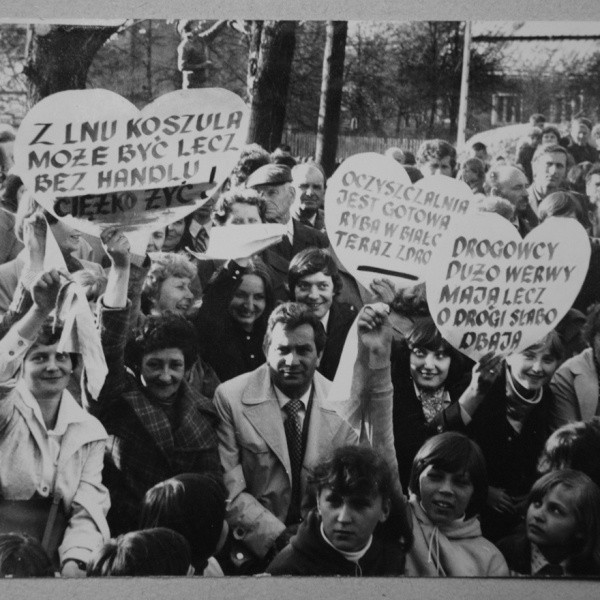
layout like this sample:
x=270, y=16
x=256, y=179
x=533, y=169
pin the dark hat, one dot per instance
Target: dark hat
x=270, y=175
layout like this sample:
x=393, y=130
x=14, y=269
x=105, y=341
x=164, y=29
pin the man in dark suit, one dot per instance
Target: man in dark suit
x=274, y=184
x=314, y=281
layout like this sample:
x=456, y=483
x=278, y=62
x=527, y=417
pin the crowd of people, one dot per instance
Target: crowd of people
x=216, y=443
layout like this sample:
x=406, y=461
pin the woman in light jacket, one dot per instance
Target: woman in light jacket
x=52, y=450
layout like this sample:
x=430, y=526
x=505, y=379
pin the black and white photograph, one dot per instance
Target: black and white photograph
x=294, y=304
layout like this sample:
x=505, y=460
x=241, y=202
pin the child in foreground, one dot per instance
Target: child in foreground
x=353, y=491
x=193, y=504
x=22, y=555
x=448, y=488
x=158, y=551
x=562, y=535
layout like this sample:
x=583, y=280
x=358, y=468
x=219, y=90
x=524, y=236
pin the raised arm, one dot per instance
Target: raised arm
x=22, y=335
x=116, y=246
x=35, y=229
x=483, y=376
x=113, y=319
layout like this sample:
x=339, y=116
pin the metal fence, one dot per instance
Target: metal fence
x=303, y=144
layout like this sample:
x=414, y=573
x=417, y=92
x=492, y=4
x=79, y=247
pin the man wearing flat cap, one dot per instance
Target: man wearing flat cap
x=274, y=184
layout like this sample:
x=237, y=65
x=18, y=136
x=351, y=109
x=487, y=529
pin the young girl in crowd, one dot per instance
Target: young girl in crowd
x=562, y=536
x=158, y=551
x=448, y=489
x=192, y=504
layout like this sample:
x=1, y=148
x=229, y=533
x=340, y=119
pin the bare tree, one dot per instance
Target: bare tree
x=331, y=95
x=59, y=56
x=270, y=58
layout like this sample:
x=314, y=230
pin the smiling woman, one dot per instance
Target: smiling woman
x=511, y=425
x=167, y=285
x=232, y=319
x=52, y=450
x=159, y=424
x=428, y=376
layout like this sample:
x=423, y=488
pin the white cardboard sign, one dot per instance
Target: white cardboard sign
x=93, y=159
x=240, y=241
x=381, y=225
x=488, y=290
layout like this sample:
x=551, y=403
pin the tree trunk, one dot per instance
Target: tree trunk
x=331, y=95
x=59, y=56
x=270, y=58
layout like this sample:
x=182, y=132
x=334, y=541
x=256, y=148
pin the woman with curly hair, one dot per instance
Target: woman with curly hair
x=158, y=424
x=168, y=285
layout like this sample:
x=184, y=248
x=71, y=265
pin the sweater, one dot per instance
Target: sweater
x=456, y=550
x=309, y=554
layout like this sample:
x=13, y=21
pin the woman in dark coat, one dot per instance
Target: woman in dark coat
x=158, y=425
x=429, y=377
x=232, y=320
x=237, y=301
x=511, y=425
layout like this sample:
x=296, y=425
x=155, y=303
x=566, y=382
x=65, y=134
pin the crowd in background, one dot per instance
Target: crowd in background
x=216, y=443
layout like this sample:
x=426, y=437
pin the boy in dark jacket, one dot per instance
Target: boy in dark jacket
x=353, y=492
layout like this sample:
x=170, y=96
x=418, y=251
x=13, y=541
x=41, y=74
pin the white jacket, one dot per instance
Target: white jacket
x=22, y=441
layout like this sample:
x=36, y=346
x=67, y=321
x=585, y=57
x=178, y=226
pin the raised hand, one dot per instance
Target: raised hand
x=500, y=501
x=116, y=245
x=374, y=328
x=45, y=289
x=383, y=290
x=486, y=371
x=35, y=229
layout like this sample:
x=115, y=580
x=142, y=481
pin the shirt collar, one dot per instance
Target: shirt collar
x=68, y=411
x=325, y=319
x=282, y=399
x=539, y=561
x=290, y=229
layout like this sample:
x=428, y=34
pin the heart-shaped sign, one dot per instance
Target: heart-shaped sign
x=381, y=225
x=488, y=290
x=93, y=159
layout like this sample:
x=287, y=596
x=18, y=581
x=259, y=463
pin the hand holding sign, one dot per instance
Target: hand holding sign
x=491, y=291
x=380, y=224
x=94, y=160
